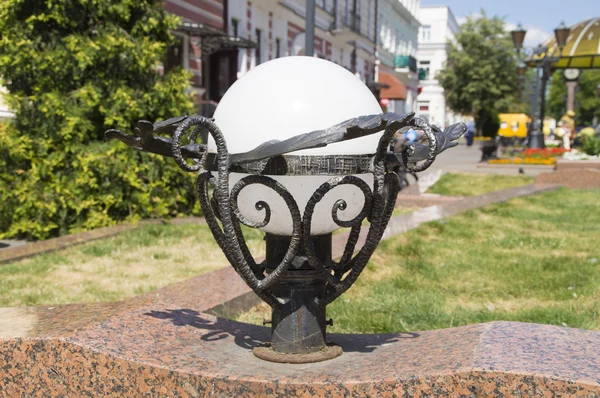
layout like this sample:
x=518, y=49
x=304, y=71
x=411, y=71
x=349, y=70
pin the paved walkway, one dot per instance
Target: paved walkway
x=463, y=159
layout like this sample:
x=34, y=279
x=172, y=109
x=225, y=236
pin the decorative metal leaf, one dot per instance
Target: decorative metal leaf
x=347, y=130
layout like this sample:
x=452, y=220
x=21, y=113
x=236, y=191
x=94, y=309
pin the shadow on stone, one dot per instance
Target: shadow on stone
x=368, y=342
x=245, y=336
x=249, y=336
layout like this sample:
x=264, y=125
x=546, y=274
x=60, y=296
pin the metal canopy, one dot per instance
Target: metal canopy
x=582, y=50
x=214, y=39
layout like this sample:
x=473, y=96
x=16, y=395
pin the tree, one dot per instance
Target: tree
x=587, y=101
x=480, y=76
x=557, y=98
x=74, y=68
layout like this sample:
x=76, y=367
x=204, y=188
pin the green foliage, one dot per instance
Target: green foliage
x=591, y=146
x=587, y=101
x=557, y=98
x=488, y=122
x=115, y=268
x=524, y=260
x=75, y=68
x=461, y=184
x=481, y=76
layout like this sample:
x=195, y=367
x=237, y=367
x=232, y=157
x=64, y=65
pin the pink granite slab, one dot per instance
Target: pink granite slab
x=166, y=345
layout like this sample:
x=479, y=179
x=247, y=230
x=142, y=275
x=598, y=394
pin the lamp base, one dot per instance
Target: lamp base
x=267, y=353
x=536, y=140
x=298, y=324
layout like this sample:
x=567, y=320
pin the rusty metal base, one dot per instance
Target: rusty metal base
x=267, y=353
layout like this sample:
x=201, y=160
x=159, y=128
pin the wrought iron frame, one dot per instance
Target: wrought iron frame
x=225, y=219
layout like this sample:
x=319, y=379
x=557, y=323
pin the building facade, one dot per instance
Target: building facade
x=397, y=43
x=344, y=32
x=251, y=32
x=438, y=27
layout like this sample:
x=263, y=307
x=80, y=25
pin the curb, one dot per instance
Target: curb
x=15, y=253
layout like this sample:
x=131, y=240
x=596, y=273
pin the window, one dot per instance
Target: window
x=175, y=54
x=424, y=107
x=426, y=33
x=277, y=47
x=347, y=12
x=369, y=25
x=234, y=27
x=258, y=46
x=424, y=70
x=223, y=82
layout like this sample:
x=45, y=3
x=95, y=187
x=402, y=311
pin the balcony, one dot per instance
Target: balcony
x=354, y=22
x=347, y=23
x=405, y=64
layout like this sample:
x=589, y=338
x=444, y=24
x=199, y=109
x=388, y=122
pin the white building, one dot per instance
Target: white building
x=397, y=42
x=344, y=32
x=438, y=26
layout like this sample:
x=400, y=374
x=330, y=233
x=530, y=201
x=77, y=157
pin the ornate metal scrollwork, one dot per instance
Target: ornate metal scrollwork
x=222, y=212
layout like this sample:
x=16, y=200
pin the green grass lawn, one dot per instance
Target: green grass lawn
x=131, y=263
x=466, y=184
x=532, y=259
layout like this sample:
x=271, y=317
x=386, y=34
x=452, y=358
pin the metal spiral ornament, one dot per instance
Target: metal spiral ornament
x=199, y=124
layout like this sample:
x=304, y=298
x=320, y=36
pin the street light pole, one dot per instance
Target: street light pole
x=309, y=46
x=536, y=137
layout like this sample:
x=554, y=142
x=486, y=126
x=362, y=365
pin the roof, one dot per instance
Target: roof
x=582, y=50
x=396, y=90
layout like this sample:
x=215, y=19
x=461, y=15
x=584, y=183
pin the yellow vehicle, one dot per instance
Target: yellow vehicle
x=514, y=125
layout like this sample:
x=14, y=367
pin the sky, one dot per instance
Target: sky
x=539, y=17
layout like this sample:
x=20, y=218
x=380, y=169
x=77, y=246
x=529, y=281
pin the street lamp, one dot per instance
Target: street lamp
x=322, y=164
x=544, y=61
x=518, y=37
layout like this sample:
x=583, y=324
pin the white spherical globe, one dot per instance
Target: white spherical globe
x=294, y=95
x=284, y=98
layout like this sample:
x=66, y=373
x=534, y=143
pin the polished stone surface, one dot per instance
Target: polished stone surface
x=164, y=344
x=576, y=178
x=573, y=165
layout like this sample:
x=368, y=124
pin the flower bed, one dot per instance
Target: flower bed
x=577, y=155
x=531, y=156
x=527, y=160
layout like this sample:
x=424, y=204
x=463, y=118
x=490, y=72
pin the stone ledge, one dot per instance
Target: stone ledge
x=426, y=200
x=572, y=178
x=562, y=164
x=158, y=350
x=164, y=344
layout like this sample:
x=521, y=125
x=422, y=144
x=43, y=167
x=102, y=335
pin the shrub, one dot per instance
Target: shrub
x=74, y=68
x=591, y=146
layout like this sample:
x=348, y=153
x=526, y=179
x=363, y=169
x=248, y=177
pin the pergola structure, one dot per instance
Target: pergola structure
x=572, y=48
x=581, y=51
